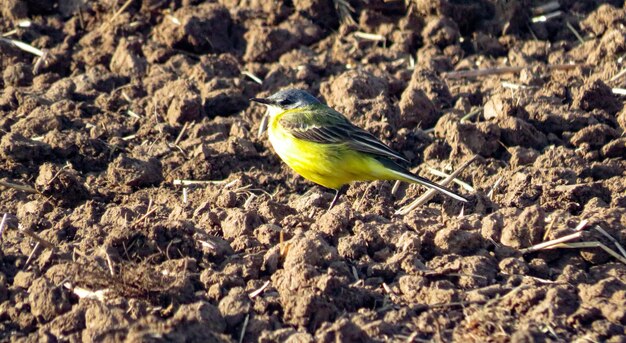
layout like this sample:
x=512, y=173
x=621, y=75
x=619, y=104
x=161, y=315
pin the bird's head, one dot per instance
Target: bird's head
x=287, y=99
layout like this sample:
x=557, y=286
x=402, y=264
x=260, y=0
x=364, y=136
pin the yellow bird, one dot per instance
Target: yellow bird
x=323, y=146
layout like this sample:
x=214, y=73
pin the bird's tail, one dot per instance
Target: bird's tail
x=405, y=175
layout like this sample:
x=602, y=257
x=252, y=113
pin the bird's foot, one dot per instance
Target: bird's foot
x=338, y=193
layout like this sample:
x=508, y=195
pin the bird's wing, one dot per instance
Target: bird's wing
x=322, y=124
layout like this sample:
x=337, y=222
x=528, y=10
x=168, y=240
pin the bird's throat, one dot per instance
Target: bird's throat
x=273, y=111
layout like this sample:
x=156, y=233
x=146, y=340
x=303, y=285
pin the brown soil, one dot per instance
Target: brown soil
x=127, y=103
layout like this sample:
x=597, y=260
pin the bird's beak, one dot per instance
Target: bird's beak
x=262, y=101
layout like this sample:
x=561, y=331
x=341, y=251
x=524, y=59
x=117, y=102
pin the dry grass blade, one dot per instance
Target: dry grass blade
x=181, y=133
x=41, y=61
x=149, y=211
x=355, y=274
x=133, y=114
x=360, y=201
x=21, y=24
x=607, y=235
x=23, y=46
x=482, y=72
x=3, y=224
x=284, y=246
x=248, y=202
x=396, y=187
x=549, y=244
x=207, y=244
x=30, y=257
x=571, y=28
x=260, y=290
x=244, y=327
x=173, y=19
x=581, y=225
x=503, y=70
x=179, y=182
x=618, y=75
x=84, y=293
x=547, y=7
x=263, y=125
x=431, y=192
x=46, y=244
x=592, y=244
x=545, y=17
x=9, y=33
x=185, y=195
x=549, y=228
x=253, y=77
x=370, y=36
x=514, y=86
x=109, y=261
x=463, y=184
x=619, y=91
x=23, y=188
x=495, y=186
x=122, y=9
x=471, y=114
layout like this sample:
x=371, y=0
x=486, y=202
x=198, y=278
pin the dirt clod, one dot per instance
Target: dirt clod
x=46, y=300
x=594, y=135
x=526, y=230
x=18, y=74
x=128, y=59
x=199, y=29
x=597, y=95
x=61, y=183
x=416, y=108
x=134, y=172
x=17, y=147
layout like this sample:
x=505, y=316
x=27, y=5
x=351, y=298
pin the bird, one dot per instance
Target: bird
x=324, y=147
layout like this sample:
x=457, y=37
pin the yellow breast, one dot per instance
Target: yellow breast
x=329, y=165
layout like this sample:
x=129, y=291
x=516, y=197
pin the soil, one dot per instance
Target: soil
x=134, y=95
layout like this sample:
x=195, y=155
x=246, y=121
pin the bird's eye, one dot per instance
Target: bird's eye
x=285, y=102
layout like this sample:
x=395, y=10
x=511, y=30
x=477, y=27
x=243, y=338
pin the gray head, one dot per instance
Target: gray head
x=288, y=99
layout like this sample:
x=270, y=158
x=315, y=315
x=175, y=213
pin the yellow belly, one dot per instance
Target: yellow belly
x=329, y=165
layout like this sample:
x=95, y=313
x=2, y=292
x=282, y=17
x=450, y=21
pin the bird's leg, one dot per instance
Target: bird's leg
x=338, y=193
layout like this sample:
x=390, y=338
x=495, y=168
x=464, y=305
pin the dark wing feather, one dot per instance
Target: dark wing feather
x=322, y=124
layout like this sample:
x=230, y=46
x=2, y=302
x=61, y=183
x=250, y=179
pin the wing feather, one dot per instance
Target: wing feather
x=321, y=124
